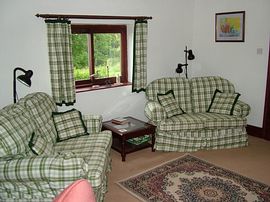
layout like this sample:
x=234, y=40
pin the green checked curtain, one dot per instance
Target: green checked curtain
x=139, y=80
x=60, y=57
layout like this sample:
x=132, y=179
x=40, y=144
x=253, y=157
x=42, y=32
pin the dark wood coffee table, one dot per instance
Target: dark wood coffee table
x=121, y=133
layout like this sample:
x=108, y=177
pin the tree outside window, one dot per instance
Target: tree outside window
x=99, y=54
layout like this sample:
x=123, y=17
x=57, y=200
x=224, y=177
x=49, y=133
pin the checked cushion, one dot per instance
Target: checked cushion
x=180, y=87
x=40, y=146
x=223, y=103
x=69, y=124
x=169, y=103
x=41, y=105
x=203, y=88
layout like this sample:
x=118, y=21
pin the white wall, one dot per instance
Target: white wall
x=175, y=23
x=238, y=62
x=23, y=42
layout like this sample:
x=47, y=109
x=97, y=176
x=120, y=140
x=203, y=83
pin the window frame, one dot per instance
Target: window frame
x=92, y=83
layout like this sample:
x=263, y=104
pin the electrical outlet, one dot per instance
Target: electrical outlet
x=259, y=51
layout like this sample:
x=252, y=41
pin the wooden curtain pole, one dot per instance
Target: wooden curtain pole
x=102, y=17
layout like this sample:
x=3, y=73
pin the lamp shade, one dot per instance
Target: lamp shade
x=179, y=69
x=26, y=78
x=191, y=56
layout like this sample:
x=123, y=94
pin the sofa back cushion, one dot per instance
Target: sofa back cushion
x=41, y=106
x=180, y=87
x=16, y=128
x=69, y=124
x=203, y=89
x=40, y=146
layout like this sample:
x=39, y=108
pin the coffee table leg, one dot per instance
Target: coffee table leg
x=123, y=152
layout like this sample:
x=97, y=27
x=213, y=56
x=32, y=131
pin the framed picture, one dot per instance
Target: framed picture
x=230, y=27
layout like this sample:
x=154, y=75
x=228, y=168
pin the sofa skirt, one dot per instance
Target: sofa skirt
x=203, y=139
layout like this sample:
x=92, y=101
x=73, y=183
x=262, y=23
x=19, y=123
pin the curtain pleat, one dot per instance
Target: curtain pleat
x=60, y=59
x=139, y=79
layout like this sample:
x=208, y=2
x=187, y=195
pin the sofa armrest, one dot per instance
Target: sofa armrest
x=241, y=109
x=93, y=123
x=154, y=111
x=46, y=172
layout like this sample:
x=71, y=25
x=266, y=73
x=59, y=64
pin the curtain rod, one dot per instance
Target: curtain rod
x=102, y=17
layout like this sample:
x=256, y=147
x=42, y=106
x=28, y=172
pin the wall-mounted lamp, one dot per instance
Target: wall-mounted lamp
x=188, y=56
x=24, y=78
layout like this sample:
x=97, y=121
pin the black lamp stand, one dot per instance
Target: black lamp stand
x=188, y=56
x=24, y=78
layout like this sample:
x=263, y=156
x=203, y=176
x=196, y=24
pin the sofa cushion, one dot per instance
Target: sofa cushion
x=40, y=146
x=41, y=105
x=182, y=122
x=169, y=104
x=93, y=149
x=95, y=140
x=197, y=121
x=203, y=88
x=180, y=87
x=223, y=103
x=16, y=127
x=217, y=121
x=69, y=124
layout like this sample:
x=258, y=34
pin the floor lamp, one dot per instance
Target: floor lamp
x=24, y=78
x=188, y=56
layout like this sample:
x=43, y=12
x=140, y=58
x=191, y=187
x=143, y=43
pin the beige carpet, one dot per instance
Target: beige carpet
x=252, y=161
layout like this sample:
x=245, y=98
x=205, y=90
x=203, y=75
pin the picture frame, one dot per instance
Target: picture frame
x=230, y=27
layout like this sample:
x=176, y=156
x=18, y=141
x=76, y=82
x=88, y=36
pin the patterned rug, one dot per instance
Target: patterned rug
x=191, y=179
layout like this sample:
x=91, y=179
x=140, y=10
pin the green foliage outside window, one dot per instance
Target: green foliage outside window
x=80, y=56
x=107, y=53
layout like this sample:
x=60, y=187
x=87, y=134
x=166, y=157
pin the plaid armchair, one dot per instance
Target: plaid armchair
x=195, y=126
x=25, y=176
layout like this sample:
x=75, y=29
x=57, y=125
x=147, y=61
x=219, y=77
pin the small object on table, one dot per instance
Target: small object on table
x=120, y=120
x=123, y=134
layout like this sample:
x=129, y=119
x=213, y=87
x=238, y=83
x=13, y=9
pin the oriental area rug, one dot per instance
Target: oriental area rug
x=189, y=178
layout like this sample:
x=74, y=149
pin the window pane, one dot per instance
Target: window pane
x=80, y=56
x=107, y=54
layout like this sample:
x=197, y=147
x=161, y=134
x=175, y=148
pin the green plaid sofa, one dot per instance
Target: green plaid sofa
x=196, y=129
x=25, y=176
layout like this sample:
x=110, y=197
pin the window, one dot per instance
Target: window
x=99, y=56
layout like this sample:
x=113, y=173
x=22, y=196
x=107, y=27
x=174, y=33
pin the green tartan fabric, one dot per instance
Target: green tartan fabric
x=41, y=105
x=196, y=121
x=28, y=177
x=189, y=141
x=154, y=112
x=241, y=109
x=139, y=80
x=223, y=103
x=69, y=124
x=182, y=122
x=94, y=150
x=214, y=120
x=180, y=87
x=93, y=123
x=16, y=128
x=60, y=59
x=196, y=129
x=203, y=88
x=40, y=175
x=169, y=104
x=40, y=146
x=89, y=143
